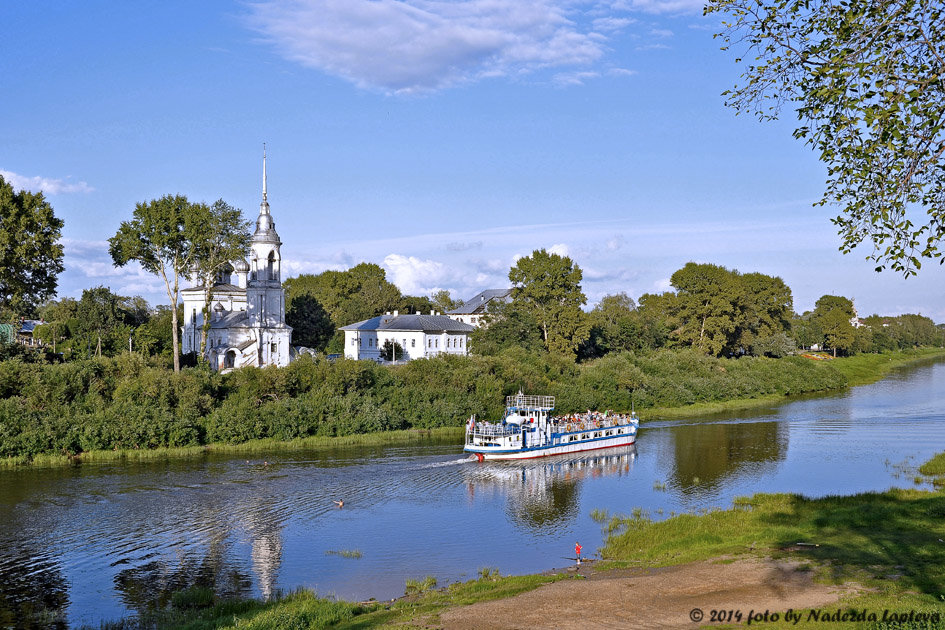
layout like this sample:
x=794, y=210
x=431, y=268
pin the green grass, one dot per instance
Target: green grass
x=889, y=542
x=305, y=609
x=260, y=447
x=863, y=369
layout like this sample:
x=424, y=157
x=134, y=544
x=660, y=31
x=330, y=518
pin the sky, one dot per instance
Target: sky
x=438, y=139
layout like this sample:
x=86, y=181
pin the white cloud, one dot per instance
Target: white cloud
x=612, y=24
x=566, y=79
x=662, y=285
x=44, y=184
x=414, y=276
x=559, y=248
x=420, y=45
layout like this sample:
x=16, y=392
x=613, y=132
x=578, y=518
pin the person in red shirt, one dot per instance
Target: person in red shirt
x=577, y=551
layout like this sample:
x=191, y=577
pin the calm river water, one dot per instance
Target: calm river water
x=98, y=542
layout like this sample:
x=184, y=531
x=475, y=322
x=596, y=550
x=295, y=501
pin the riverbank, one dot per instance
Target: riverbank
x=150, y=409
x=877, y=554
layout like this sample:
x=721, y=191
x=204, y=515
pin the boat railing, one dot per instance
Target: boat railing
x=494, y=430
x=523, y=401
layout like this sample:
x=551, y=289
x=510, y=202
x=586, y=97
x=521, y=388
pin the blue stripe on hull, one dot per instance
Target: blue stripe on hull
x=547, y=447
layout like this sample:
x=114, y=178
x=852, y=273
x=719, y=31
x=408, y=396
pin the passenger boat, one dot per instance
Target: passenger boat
x=529, y=430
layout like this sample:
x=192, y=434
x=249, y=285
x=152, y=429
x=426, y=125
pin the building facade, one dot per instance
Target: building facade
x=247, y=318
x=418, y=335
x=472, y=310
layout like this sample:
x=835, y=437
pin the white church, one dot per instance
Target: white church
x=247, y=320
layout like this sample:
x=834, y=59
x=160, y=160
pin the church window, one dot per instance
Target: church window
x=273, y=347
x=413, y=343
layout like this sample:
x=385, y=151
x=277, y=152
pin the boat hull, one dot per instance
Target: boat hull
x=484, y=453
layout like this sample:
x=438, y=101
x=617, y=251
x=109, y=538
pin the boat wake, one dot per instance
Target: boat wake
x=452, y=462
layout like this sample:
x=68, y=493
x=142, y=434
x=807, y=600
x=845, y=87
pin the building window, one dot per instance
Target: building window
x=413, y=343
x=472, y=319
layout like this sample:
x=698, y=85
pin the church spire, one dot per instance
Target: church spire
x=265, y=226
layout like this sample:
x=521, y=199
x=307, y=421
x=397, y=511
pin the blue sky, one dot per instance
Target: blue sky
x=438, y=139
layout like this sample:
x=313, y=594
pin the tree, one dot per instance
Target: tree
x=348, y=296
x=838, y=331
x=706, y=306
x=30, y=251
x=865, y=79
x=311, y=325
x=442, y=301
x=392, y=351
x=764, y=313
x=161, y=236
x=225, y=238
x=506, y=325
x=548, y=286
x=99, y=314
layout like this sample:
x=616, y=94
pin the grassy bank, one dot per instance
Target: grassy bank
x=888, y=542
x=252, y=447
x=197, y=608
x=125, y=409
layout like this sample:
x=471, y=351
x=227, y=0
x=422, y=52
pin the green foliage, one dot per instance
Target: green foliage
x=221, y=237
x=864, y=79
x=723, y=312
x=506, y=325
x=30, y=251
x=442, y=301
x=418, y=587
x=130, y=402
x=162, y=236
x=547, y=287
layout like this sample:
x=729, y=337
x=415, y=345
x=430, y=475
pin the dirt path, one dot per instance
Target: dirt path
x=658, y=598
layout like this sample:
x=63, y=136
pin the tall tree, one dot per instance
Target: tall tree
x=549, y=287
x=160, y=237
x=30, y=251
x=99, y=313
x=707, y=313
x=221, y=235
x=865, y=79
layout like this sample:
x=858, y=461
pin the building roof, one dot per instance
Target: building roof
x=479, y=302
x=424, y=323
x=217, y=288
x=229, y=320
x=29, y=325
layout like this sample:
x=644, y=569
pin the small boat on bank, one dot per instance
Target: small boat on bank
x=529, y=430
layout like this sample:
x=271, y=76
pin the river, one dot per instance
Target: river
x=99, y=541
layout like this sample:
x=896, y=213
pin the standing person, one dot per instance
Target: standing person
x=577, y=551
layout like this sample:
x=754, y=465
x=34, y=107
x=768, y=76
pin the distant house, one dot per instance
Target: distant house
x=418, y=335
x=25, y=334
x=473, y=309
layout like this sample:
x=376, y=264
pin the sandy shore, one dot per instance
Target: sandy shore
x=655, y=598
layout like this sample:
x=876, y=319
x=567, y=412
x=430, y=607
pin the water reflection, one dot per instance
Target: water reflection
x=99, y=541
x=545, y=493
x=33, y=592
x=706, y=456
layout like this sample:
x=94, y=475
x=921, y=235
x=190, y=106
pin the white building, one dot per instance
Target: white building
x=418, y=335
x=247, y=321
x=472, y=310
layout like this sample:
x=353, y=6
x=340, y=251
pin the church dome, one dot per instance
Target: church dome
x=241, y=266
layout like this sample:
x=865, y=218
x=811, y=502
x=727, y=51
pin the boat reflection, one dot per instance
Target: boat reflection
x=542, y=494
